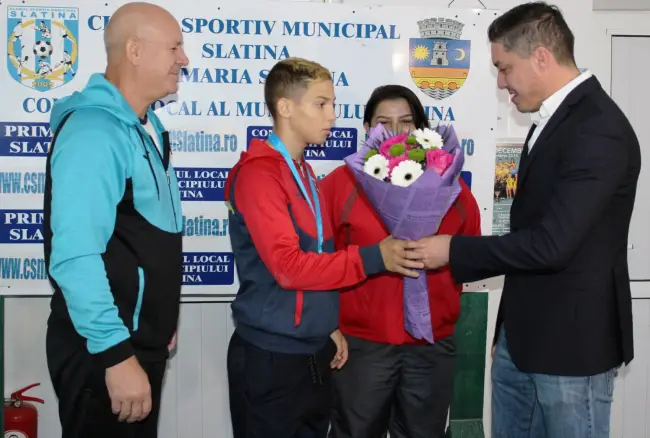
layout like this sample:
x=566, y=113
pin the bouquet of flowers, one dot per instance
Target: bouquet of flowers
x=412, y=181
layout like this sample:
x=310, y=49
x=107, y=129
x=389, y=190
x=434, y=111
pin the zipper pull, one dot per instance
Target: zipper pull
x=168, y=180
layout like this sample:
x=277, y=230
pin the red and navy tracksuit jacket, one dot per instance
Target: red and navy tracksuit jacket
x=288, y=298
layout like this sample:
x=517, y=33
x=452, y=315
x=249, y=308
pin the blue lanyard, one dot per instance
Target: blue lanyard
x=280, y=147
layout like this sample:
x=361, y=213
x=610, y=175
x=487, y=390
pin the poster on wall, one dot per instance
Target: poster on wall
x=506, y=171
x=51, y=49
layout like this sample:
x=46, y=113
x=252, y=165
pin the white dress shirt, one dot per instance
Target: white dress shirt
x=551, y=104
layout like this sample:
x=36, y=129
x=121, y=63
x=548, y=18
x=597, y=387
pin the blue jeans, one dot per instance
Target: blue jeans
x=544, y=406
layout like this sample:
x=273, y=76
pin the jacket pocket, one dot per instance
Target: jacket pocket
x=320, y=314
x=138, y=303
x=279, y=312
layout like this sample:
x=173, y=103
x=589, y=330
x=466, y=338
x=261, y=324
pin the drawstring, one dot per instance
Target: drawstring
x=315, y=371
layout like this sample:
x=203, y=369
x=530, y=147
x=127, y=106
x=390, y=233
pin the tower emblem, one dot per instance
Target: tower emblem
x=439, y=59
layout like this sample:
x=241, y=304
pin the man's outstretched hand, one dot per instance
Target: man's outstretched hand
x=433, y=251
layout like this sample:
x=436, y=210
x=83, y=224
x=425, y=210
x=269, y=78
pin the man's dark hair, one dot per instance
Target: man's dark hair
x=392, y=92
x=531, y=25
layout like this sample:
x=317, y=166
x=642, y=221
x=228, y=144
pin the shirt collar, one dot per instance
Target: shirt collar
x=553, y=102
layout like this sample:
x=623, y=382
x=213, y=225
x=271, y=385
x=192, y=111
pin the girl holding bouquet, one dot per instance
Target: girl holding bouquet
x=392, y=381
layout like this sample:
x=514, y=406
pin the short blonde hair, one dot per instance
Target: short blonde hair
x=289, y=77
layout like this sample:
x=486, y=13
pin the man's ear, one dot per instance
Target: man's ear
x=134, y=50
x=285, y=107
x=542, y=58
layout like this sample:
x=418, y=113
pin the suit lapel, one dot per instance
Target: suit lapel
x=524, y=152
x=553, y=123
x=522, y=163
x=523, y=159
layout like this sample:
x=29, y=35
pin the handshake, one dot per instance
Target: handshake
x=404, y=256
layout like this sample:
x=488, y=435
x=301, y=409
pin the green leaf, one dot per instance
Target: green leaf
x=370, y=153
x=397, y=150
x=418, y=155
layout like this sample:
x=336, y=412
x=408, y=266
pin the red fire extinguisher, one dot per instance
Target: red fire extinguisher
x=21, y=417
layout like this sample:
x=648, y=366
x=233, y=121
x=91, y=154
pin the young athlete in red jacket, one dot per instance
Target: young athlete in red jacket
x=392, y=381
x=286, y=309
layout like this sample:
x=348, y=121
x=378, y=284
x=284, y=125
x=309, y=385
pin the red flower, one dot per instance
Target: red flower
x=439, y=160
x=385, y=146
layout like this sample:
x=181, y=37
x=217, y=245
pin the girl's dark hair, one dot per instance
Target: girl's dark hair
x=392, y=92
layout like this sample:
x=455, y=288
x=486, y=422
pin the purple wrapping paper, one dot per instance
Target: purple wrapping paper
x=411, y=213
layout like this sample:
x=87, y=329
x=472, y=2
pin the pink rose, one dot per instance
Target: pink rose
x=439, y=160
x=384, y=148
x=394, y=161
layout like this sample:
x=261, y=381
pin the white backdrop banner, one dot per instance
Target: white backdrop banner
x=53, y=47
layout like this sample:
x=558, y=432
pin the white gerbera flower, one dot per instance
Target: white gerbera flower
x=428, y=138
x=377, y=166
x=405, y=173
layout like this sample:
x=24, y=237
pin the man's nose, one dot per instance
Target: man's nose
x=501, y=82
x=183, y=59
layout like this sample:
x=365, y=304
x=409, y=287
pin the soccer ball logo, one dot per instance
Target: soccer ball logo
x=42, y=49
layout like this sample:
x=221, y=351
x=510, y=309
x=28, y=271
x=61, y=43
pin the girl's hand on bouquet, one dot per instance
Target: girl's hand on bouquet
x=401, y=257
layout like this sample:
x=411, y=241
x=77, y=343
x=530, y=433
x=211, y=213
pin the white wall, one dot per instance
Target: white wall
x=195, y=399
x=620, y=5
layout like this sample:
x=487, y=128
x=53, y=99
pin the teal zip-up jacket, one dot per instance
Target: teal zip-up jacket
x=112, y=227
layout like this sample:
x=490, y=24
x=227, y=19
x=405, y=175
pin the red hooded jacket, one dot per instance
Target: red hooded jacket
x=374, y=310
